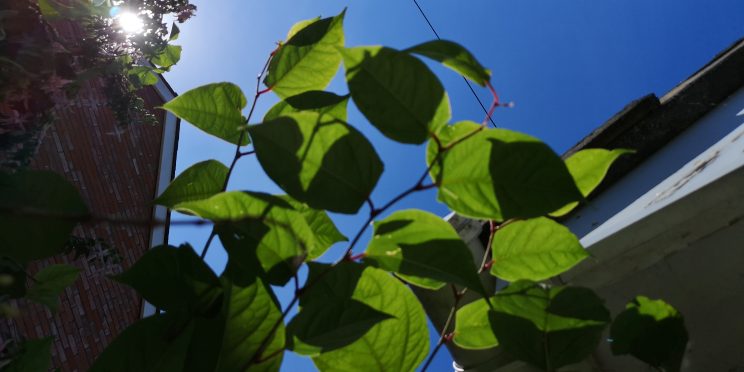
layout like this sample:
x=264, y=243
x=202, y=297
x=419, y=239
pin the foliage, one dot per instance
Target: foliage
x=41, y=69
x=357, y=313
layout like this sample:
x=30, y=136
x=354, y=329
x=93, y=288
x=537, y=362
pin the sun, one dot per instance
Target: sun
x=130, y=22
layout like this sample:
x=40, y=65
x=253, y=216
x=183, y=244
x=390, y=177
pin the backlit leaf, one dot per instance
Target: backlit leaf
x=143, y=74
x=396, y=344
x=318, y=159
x=299, y=26
x=230, y=341
x=309, y=59
x=527, y=324
x=155, y=343
x=454, y=56
x=199, y=181
x=534, y=249
x=315, y=100
x=257, y=230
x=214, y=108
x=169, y=56
x=174, y=279
x=396, y=92
x=38, y=210
x=417, y=244
x=588, y=168
x=652, y=331
x=499, y=174
x=325, y=231
x=50, y=282
x=323, y=327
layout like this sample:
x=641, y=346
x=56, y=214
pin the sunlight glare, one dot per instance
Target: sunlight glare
x=130, y=23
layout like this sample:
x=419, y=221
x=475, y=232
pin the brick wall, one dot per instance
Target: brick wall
x=115, y=170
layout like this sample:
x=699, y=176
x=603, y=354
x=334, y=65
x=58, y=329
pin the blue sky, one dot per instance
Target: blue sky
x=568, y=65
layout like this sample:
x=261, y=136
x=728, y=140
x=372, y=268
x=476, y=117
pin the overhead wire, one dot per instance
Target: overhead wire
x=470, y=86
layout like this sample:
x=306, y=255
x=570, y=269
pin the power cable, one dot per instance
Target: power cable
x=470, y=86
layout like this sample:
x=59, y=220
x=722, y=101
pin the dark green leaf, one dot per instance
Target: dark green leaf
x=456, y=57
x=34, y=357
x=12, y=278
x=168, y=57
x=200, y=181
x=396, y=344
x=174, y=279
x=229, y=342
x=38, y=210
x=156, y=343
x=528, y=320
x=144, y=75
x=309, y=60
x=323, y=327
x=325, y=231
x=175, y=32
x=499, y=174
x=588, y=168
x=652, y=331
x=534, y=249
x=314, y=100
x=539, y=326
x=213, y=108
x=299, y=26
x=49, y=284
x=417, y=244
x=396, y=92
x=258, y=230
x=318, y=159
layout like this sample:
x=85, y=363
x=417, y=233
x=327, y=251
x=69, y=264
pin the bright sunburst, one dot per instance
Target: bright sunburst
x=130, y=22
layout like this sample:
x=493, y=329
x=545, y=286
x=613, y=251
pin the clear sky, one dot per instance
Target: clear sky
x=568, y=65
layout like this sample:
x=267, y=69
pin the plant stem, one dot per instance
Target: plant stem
x=443, y=335
x=238, y=154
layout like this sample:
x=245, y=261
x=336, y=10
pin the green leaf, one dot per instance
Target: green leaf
x=143, y=75
x=396, y=92
x=526, y=318
x=34, y=357
x=38, y=210
x=534, y=249
x=323, y=327
x=417, y=244
x=454, y=56
x=325, y=231
x=213, y=108
x=318, y=160
x=174, y=279
x=499, y=174
x=309, y=59
x=169, y=56
x=588, y=168
x=49, y=284
x=652, y=331
x=299, y=26
x=258, y=231
x=396, y=344
x=473, y=327
x=200, y=181
x=228, y=343
x=548, y=327
x=315, y=100
x=175, y=32
x=155, y=343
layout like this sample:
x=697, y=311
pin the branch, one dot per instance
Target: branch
x=239, y=154
x=444, y=336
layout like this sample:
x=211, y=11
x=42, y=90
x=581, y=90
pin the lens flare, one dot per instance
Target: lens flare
x=130, y=23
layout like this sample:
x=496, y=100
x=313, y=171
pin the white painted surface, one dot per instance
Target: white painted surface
x=165, y=171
